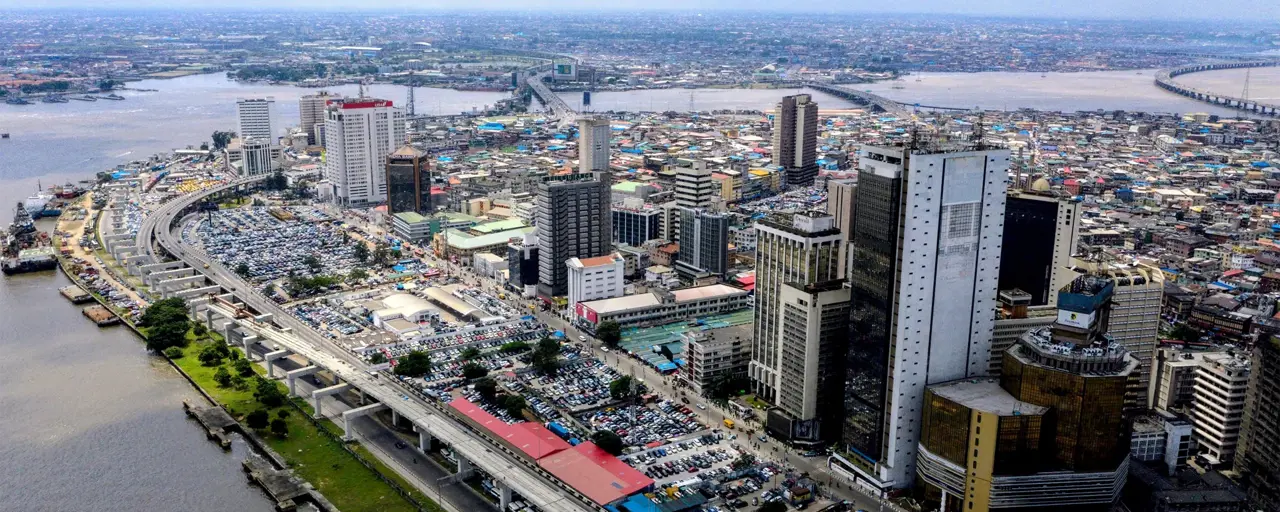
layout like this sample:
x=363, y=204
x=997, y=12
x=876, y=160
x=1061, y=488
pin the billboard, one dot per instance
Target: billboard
x=564, y=71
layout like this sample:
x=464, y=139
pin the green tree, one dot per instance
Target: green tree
x=473, y=371
x=268, y=393
x=107, y=84
x=546, y=356
x=222, y=377
x=313, y=262
x=624, y=388
x=377, y=358
x=357, y=275
x=608, y=441
x=743, y=461
x=243, y=270
x=513, y=404
x=469, y=353
x=173, y=353
x=610, y=333
x=165, y=311
x=279, y=427
x=257, y=419
x=166, y=335
x=361, y=252
x=221, y=139
x=414, y=364
x=243, y=367
x=1185, y=333
x=488, y=388
x=514, y=346
x=199, y=330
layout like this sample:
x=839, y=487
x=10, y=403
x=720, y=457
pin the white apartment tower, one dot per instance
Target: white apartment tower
x=253, y=118
x=359, y=134
x=595, y=278
x=593, y=144
x=925, y=257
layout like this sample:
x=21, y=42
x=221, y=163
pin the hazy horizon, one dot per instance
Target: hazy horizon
x=1266, y=13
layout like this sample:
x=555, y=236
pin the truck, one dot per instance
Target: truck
x=558, y=430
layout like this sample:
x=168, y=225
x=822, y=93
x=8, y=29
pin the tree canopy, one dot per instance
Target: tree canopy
x=167, y=324
x=474, y=371
x=609, y=332
x=546, y=355
x=624, y=388
x=608, y=441
x=414, y=364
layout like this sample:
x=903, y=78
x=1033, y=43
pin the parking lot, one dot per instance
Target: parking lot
x=704, y=457
x=325, y=319
x=272, y=248
x=578, y=386
x=640, y=425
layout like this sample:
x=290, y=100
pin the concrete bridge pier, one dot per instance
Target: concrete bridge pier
x=272, y=356
x=247, y=342
x=171, y=287
x=292, y=377
x=465, y=468
x=350, y=414
x=424, y=438
x=321, y=393
x=189, y=293
x=504, y=495
x=395, y=418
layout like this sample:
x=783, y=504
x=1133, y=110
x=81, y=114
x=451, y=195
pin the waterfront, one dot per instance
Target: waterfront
x=93, y=422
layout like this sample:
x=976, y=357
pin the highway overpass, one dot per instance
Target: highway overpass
x=226, y=302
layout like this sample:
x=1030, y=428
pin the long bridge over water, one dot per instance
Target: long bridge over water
x=1165, y=80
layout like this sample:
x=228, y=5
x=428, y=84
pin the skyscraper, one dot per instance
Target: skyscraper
x=926, y=254
x=408, y=181
x=694, y=186
x=359, y=134
x=253, y=118
x=802, y=250
x=704, y=243
x=795, y=139
x=1257, y=457
x=573, y=221
x=593, y=144
x=1135, y=320
x=813, y=322
x=1051, y=434
x=1039, y=240
x=255, y=157
x=311, y=114
x=841, y=202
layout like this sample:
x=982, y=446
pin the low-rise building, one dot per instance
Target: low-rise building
x=716, y=355
x=596, y=278
x=662, y=307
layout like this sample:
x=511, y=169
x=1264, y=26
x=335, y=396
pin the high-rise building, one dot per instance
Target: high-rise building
x=803, y=250
x=1040, y=232
x=595, y=278
x=1217, y=405
x=359, y=134
x=694, y=186
x=253, y=118
x=813, y=326
x=795, y=139
x=593, y=144
x=408, y=181
x=255, y=157
x=522, y=265
x=1015, y=316
x=1135, y=322
x=704, y=243
x=925, y=260
x=1257, y=457
x=635, y=226
x=1052, y=433
x=573, y=221
x=311, y=114
x=841, y=202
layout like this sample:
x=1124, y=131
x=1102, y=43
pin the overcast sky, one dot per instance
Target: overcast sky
x=1268, y=10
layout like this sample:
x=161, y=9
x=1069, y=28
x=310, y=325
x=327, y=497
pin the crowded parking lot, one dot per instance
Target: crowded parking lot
x=640, y=425
x=274, y=243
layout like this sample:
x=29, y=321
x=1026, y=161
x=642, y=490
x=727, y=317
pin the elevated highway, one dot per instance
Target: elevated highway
x=559, y=108
x=248, y=318
x=1165, y=80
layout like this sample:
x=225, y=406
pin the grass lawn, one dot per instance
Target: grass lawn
x=755, y=401
x=321, y=461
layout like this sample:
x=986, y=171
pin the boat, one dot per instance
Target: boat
x=17, y=101
x=54, y=99
x=84, y=98
x=4, y=135
x=112, y=96
x=25, y=248
x=68, y=191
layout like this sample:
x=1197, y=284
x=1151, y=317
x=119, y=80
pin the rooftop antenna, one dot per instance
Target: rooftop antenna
x=360, y=94
x=409, y=101
x=980, y=132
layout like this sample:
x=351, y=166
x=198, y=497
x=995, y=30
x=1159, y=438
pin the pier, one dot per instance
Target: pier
x=1165, y=80
x=75, y=294
x=100, y=315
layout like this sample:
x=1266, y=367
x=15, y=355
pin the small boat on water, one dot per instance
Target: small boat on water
x=112, y=96
x=84, y=98
x=17, y=101
x=4, y=135
x=54, y=99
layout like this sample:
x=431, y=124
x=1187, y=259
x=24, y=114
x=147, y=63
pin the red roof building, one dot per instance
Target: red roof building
x=530, y=439
x=595, y=473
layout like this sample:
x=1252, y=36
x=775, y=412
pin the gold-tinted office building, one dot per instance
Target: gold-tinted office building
x=1049, y=434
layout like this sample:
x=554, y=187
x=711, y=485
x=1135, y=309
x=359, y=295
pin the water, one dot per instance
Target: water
x=92, y=422
x=1107, y=90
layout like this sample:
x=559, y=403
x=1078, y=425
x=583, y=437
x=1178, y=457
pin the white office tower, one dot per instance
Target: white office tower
x=1135, y=317
x=253, y=117
x=593, y=144
x=924, y=265
x=359, y=134
x=801, y=250
x=311, y=115
x=813, y=326
x=255, y=157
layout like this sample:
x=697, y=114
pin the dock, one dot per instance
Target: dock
x=75, y=294
x=216, y=422
x=100, y=315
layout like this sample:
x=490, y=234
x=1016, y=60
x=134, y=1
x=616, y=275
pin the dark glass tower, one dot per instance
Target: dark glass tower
x=408, y=181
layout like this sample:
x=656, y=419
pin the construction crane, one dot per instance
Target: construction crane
x=241, y=312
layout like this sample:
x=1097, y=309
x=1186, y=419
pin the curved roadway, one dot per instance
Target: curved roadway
x=526, y=480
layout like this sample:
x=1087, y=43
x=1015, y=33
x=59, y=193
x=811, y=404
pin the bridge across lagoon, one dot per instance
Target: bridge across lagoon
x=1165, y=80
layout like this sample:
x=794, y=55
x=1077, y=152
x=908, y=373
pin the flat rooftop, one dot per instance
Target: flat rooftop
x=986, y=395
